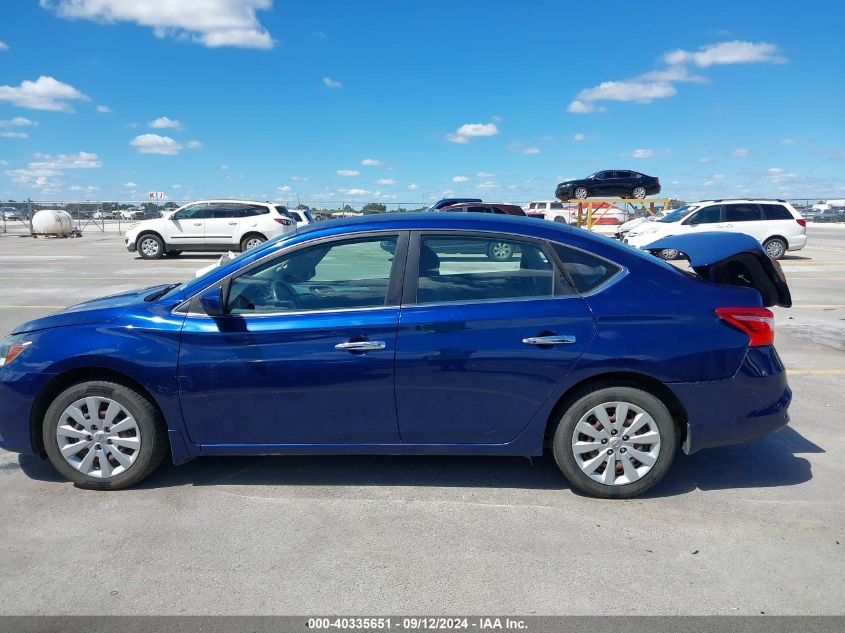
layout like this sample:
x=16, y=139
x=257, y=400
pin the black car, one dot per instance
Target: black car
x=614, y=182
x=445, y=202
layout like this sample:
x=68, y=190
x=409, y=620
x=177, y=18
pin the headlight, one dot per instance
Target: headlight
x=10, y=349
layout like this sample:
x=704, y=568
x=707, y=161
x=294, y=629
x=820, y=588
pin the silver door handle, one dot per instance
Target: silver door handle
x=233, y=223
x=197, y=223
x=549, y=340
x=360, y=346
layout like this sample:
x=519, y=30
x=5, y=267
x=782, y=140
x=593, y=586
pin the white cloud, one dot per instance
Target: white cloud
x=284, y=189
x=472, y=130
x=155, y=144
x=45, y=93
x=80, y=160
x=130, y=185
x=103, y=109
x=636, y=91
x=17, y=121
x=212, y=23
x=788, y=141
x=736, y=52
x=223, y=168
x=484, y=174
x=777, y=175
x=356, y=192
x=88, y=189
x=580, y=107
x=348, y=172
x=677, y=73
x=460, y=179
x=704, y=160
x=740, y=152
x=303, y=178
x=579, y=137
x=385, y=181
x=642, y=153
x=488, y=185
x=331, y=83
x=193, y=144
x=175, y=186
x=14, y=135
x=530, y=150
x=413, y=186
x=3, y=46
x=371, y=162
x=164, y=123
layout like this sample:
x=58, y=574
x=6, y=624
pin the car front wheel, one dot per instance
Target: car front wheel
x=103, y=435
x=775, y=248
x=150, y=246
x=500, y=251
x=638, y=193
x=615, y=441
x=251, y=241
x=581, y=193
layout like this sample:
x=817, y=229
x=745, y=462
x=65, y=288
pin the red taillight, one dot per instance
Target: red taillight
x=802, y=222
x=283, y=221
x=758, y=323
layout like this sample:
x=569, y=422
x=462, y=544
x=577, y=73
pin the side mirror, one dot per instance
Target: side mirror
x=211, y=301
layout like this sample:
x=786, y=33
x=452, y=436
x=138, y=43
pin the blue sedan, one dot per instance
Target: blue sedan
x=396, y=334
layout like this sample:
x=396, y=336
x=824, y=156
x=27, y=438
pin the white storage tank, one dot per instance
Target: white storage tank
x=52, y=222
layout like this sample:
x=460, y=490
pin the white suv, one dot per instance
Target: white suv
x=550, y=210
x=774, y=223
x=209, y=225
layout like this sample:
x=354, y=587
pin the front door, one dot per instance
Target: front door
x=304, y=354
x=482, y=342
x=186, y=227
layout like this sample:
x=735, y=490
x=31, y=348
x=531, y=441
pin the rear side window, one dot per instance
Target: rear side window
x=249, y=210
x=471, y=268
x=776, y=212
x=586, y=271
x=479, y=210
x=557, y=205
x=742, y=213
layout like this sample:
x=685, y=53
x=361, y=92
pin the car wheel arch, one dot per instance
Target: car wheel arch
x=58, y=383
x=777, y=237
x=636, y=380
x=150, y=232
x=250, y=234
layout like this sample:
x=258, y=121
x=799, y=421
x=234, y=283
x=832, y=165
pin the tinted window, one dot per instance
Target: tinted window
x=622, y=174
x=707, y=215
x=604, y=174
x=338, y=275
x=193, y=212
x=282, y=210
x=456, y=210
x=742, y=212
x=776, y=212
x=295, y=216
x=479, y=209
x=222, y=210
x=249, y=210
x=586, y=271
x=469, y=268
x=557, y=205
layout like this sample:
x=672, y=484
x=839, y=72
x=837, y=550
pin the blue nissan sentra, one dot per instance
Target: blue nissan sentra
x=413, y=334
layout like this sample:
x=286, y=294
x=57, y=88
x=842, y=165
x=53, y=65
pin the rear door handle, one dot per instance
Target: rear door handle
x=360, y=346
x=197, y=223
x=564, y=339
x=233, y=223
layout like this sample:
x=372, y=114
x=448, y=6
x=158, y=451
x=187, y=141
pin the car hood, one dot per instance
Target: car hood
x=730, y=258
x=100, y=310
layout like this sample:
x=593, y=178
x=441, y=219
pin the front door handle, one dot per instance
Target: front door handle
x=197, y=223
x=553, y=339
x=233, y=223
x=360, y=346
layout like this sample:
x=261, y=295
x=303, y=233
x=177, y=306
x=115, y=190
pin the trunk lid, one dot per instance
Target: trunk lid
x=734, y=259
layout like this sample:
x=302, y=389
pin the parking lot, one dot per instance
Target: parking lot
x=748, y=529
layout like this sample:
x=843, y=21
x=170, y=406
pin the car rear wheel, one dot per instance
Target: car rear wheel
x=638, y=193
x=581, y=193
x=615, y=441
x=561, y=219
x=103, y=435
x=150, y=246
x=251, y=241
x=775, y=248
x=500, y=251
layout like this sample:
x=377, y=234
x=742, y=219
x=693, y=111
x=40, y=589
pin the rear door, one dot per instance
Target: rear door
x=746, y=217
x=482, y=343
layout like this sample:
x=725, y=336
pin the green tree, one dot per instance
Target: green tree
x=374, y=207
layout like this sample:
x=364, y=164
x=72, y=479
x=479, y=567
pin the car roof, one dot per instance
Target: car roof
x=752, y=200
x=264, y=202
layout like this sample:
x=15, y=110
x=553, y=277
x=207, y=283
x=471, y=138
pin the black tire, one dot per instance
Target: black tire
x=775, y=248
x=245, y=242
x=560, y=218
x=640, y=190
x=585, y=192
x=580, y=405
x=154, y=444
x=150, y=246
x=500, y=251
x=173, y=253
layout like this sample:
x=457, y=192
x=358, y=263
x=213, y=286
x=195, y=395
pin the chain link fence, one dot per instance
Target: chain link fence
x=117, y=216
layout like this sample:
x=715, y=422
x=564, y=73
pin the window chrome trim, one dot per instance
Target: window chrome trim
x=621, y=271
x=292, y=312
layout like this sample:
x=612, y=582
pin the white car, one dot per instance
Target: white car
x=625, y=227
x=774, y=223
x=302, y=217
x=551, y=210
x=209, y=225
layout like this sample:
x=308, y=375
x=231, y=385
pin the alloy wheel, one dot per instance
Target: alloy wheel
x=253, y=242
x=98, y=437
x=581, y=193
x=616, y=443
x=639, y=192
x=775, y=249
x=502, y=251
x=149, y=246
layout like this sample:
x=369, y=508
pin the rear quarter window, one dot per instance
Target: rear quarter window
x=586, y=271
x=776, y=212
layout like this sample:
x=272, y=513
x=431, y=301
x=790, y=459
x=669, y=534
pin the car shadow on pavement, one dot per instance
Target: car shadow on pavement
x=770, y=462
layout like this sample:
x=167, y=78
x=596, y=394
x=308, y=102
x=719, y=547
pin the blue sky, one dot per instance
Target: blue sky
x=407, y=101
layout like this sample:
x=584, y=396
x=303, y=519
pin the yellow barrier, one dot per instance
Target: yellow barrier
x=647, y=203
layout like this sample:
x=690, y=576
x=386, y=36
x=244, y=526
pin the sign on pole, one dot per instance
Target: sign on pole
x=156, y=195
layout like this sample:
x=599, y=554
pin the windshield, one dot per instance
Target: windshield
x=679, y=214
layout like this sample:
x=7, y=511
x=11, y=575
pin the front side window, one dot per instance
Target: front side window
x=338, y=275
x=193, y=212
x=472, y=268
x=707, y=215
x=586, y=271
x=742, y=213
